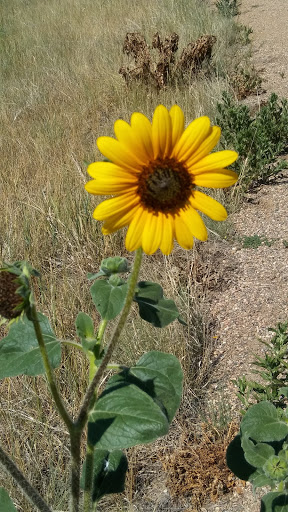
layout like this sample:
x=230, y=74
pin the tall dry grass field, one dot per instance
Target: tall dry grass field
x=60, y=90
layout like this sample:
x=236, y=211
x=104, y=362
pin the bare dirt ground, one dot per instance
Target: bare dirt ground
x=256, y=295
x=269, y=21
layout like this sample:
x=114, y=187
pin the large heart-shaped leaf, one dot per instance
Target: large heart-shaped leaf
x=125, y=416
x=20, y=353
x=137, y=404
x=262, y=422
x=161, y=376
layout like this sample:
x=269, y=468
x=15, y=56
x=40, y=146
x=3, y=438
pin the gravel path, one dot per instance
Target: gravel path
x=269, y=21
x=256, y=296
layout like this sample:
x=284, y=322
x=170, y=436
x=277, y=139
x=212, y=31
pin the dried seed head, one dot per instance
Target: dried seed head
x=11, y=303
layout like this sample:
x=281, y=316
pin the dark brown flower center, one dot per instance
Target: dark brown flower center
x=10, y=301
x=164, y=185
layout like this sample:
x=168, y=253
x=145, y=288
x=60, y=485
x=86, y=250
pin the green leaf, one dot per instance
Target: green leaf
x=108, y=299
x=148, y=290
x=6, y=502
x=262, y=423
x=91, y=276
x=153, y=307
x=115, y=265
x=20, y=353
x=160, y=375
x=85, y=331
x=236, y=460
x=125, y=416
x=276, y=468
x=109, y=471
x=259, y=479
x=256, y=454
x=274, y=502
x=84, y=326
x=138, y=403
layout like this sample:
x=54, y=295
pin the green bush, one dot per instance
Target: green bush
x=228, y=8
x=259, y=140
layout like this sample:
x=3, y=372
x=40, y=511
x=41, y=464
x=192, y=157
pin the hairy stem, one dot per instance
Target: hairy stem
x=31, y=494
x=88, y=478
x=49, y=371
x=75, y=445
x=74, y=431
x=89, y=459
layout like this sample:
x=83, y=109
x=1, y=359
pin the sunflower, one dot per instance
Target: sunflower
x=152, y=172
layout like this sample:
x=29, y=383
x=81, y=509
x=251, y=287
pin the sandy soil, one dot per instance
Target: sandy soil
x=269, y=21
x=257, y=296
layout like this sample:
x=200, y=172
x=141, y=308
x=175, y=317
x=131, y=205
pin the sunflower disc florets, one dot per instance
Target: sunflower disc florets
x=15, y=292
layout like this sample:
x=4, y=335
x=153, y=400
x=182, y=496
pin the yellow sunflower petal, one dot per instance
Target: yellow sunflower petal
x=166, y=244
x=116, y=206
x=219, y=178
x=215, y=161
x=110, y=169
x=118, y=154
x=106, y=186
x=130, y=139
x=142, y=126
x=152, y=233
x=208, y=205
x=161, y=132
x=183, y=234
x=207, y=145
x=192, y=137
x=195, y=223
x=115, y=222
x=178, y=120
x=134, y=234
x=110, y=179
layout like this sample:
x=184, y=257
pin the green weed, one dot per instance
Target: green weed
x=259, y=140
x=228, y=8
x=255, y=241
x=273, y=372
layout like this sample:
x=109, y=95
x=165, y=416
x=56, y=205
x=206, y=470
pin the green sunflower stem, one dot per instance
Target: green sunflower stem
x=91, y=356
x=92, y=367
x=88, y=478
x=30, y=492
x=101, y=330
x=88, y=399
x=74, y=431
x=49, y=371
x=75, y=445
x=90, y=449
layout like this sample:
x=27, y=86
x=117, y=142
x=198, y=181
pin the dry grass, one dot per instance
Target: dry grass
x=197, y=469
x=60, y=90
